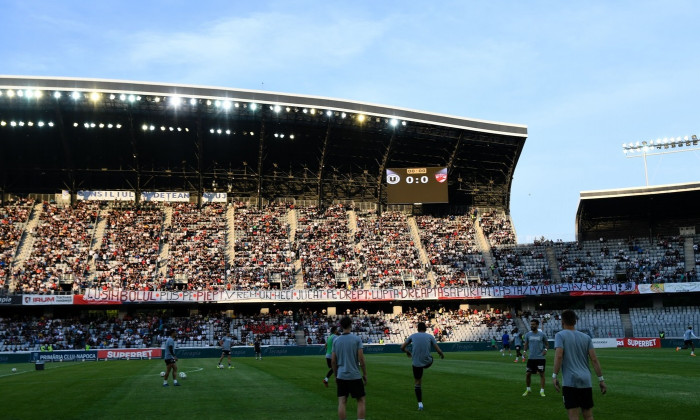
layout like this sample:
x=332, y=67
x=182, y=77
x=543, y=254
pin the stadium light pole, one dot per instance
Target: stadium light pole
x=663, y=146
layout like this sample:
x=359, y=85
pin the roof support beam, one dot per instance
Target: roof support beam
x=322, y=165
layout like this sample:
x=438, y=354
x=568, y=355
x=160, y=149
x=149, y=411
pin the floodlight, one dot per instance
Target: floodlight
x=193, y=102
x=252, y=134
x=228, y=131
x=179, y=129
x=253, y=106
x=217, y=104
x=20, y=93
x=343, y=115
x=122, y=97
x=112, y=96
x=171, y=129
x=157, y=99
x=10, y=93
x=102, y=125
x=110, y=125
x=13, y=124
x=277, y=108
x=291, y=136
x=144, y=127
x=95, y=96
x=21, y=123
x=394, y=122
x=175, y=100
x=75, y=95
x=86, y=125
x=50, y=123
x=3, y=123
x=277, y=135
x=313, y=111
x=30, y=123
x=41, y=123
x=132, y=98
x=162, y=128
x=218, y=131
x=305, y=111
x=119, y=126
x=361, y=118
x=329, y=112
x=75, y=124
x=227, y=105
x=236, y=105
x=152, y=127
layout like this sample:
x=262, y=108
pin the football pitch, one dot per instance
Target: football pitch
x=642, y=384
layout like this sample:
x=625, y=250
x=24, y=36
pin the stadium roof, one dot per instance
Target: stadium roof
x=638, y=212
x=69, y=133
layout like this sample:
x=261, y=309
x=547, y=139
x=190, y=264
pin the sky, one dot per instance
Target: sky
x=584, y=76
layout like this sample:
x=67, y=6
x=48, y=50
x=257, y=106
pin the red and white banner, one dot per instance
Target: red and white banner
x=130, y=354
x=642, y=343
x=116, y=296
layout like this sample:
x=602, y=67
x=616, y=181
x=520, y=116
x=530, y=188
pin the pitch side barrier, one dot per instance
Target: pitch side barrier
x=271, y=351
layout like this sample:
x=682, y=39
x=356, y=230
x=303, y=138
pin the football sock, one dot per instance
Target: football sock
x=175, y=381
x=419, y=393
x=528, y=388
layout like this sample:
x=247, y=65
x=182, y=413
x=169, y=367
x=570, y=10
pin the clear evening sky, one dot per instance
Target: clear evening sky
x=584, y=76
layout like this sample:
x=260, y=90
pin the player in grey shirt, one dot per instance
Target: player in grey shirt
x=573, y=350
x=537, y=344
x=422, y=345
x=347, y=358
x=225, y=344
x=518, y=343
x=170, y=359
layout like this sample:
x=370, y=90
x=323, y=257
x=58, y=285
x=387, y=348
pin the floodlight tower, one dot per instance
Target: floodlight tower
x=663, y=146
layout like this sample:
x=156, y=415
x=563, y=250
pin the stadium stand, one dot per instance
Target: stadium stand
x=128, y=255
x=13, y=219
x=387, y=251
x=263, y=251
x=451, y=248
x=196, y=257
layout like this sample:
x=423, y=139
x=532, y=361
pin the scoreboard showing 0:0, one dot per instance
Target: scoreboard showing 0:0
x=416, y=185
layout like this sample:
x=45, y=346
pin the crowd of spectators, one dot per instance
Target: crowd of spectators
x=140, y=250
x=13, y=219
x=128, y=256
x=197, y=254
x=497, y=228
x=387, y=252
x=62, y=240
x=450, y=244
x=263, y=250
x=520, y=265
x=324, y=248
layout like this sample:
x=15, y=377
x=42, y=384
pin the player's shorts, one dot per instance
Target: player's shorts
x=328, y=362
x=418, y=370
x=517, y=348
x=536, y=365
x=577, y=397
x=225, y=352
x=353, y=387
x=169, y=362
x=687, y=343
x=506, y=346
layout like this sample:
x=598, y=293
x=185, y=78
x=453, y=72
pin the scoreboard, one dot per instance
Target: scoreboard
x=416, y=185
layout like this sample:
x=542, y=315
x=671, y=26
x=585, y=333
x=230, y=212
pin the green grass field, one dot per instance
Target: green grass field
x=642, y=384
